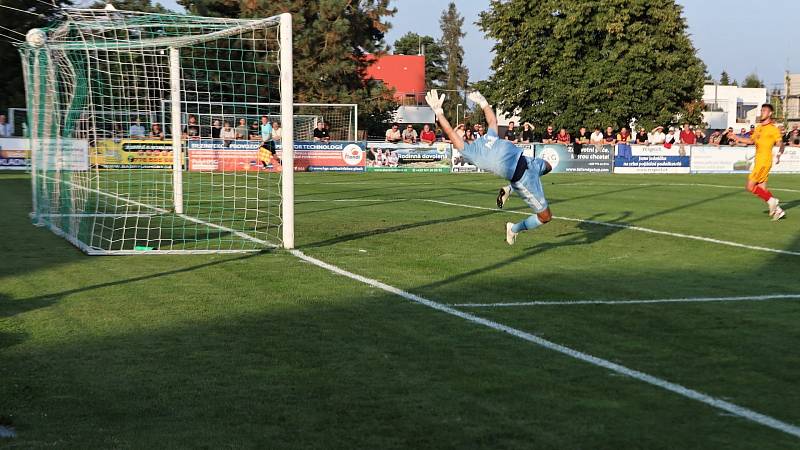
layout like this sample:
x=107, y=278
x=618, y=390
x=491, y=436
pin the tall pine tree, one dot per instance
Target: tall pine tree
x=411, y=44
x=451, y=23
x=593, y=63
x=333, y=41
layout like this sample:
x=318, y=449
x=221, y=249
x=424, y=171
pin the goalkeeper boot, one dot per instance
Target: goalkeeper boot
x=502, y=196
x=511, y=237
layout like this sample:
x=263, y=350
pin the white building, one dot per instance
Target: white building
x=732, y=106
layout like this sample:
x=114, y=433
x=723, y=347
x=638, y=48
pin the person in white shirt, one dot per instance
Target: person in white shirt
x=276, y=131
x=5, y=127
x=657, y=135
x=597, y=137
x=227, y=133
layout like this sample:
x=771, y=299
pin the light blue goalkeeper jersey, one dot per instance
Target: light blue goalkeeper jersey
x=491, y=153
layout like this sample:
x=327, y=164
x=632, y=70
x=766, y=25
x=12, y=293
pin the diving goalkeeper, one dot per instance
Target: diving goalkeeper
x=502, y=158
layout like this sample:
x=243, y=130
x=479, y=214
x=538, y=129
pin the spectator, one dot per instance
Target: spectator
x=563, y=137
x=427, y=136
x=277, y=132
x=5, y=127
x=597, y=136
x=670, y=138
x=511, y=133
x=156, y=132
x=192, y=129
x=609, y=137
x=116, y=133
x=461, y=131
x=549, y=136
x=788, y=133
x=265, y=130
x=477, y=131
x=624, y=136
x=657, y=135
x=752, y=129
x=215, y=129
x=528, y=133
x=715, y=138
x=392, y=134
x=255, y=131
x=321, y=133
x=743, y=133
x=725, y=140
x=410, y=135
x=687, y=135
x=699, y=137
x=227, y=133
x=241, y=129
x=624, y=143
x=136, y=130
x=641, y=137
x=581, y=139
x=794, y=138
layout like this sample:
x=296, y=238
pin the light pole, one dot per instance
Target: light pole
x=458, y=118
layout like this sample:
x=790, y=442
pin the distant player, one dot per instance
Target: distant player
x=765, y=137
x=502, y=158
x=267, y=155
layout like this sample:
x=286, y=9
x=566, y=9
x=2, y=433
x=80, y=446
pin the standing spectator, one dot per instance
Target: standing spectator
x=156, y=132
x=715, y=138
x=241, y=129
x=699, y=137
x=794, y=138
x=609, y=137
x=321, y=133
x=277, y=132
x=743, y=133
x=227, y=133
x=549, y=136
x=563, y=137
x=624, y=136
x=5, y=127
x=215, y=129
x=670, y=138
x=192, y=129
x=597, y=136
x=528, y=133
x=136, y=130
x=265, y=129
x=725, y=140
x=393, y=134
x=687, y=135
x=410, y=135
x=581, y=139
x=477, y=131
x=641, y=137
x=427, y=136
x=657, y=136
x=623, y=141
x=255, y=131
x=511, y=133
x=750, y=133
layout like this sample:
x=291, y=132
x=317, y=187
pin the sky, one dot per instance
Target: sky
x=739, y=36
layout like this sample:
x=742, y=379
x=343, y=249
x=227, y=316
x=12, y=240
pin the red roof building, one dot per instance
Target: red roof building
x=404, y=73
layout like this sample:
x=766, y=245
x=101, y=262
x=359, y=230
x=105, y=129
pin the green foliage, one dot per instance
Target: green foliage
x=133, y=5
x=332, y=43
x=12, y=86
x=752, y=81
x=411, y=43
x=724, y=79
x=593, y=62
x=457, y=74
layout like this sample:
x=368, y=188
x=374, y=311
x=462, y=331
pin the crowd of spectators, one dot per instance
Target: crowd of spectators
x=667, y=137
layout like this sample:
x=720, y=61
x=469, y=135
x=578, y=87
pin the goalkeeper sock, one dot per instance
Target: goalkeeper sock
x=530, y=223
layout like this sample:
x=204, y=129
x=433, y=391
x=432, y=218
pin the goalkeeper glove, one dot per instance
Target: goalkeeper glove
x=476, y=97
x=435, y=102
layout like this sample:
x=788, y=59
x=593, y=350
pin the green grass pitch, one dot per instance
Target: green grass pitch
x=267, y=351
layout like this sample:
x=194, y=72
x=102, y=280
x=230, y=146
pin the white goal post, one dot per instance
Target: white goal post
x=96, y=84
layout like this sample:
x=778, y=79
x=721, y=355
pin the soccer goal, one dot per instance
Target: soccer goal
x=111, y=97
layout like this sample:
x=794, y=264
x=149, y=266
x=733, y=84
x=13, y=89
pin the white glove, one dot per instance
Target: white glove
x=435, y=102
x=476, y=97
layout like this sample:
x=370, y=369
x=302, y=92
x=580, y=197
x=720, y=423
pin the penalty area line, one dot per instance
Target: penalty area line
x=746, y=298
x=631, y=227
x=723, y=405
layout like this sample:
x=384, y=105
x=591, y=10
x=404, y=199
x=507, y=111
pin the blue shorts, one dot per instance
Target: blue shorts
x=529, y=187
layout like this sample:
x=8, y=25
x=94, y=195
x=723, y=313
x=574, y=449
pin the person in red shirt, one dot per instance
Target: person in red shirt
x=563, y=137
x=427, y=136
x=687, y=136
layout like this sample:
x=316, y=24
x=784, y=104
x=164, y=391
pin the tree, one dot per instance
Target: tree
x=334, y=41
x=411, y=44
x=752, y=81
x=39, y=14
x=457, y=74
x=593, y=63
x=132, y=5
x=724, y=79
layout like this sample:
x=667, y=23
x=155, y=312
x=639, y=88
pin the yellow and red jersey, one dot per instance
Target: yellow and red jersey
x=765, y=137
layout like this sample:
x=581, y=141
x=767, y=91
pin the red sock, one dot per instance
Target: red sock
x=763, y=193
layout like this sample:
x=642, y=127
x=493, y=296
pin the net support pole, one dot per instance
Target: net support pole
x=175, y=102
x=287, y=136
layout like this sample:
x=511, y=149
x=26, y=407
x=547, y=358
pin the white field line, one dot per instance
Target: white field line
x=353, y=200
x=752, y=298
x=631, y=227
x=614, y=367
x=722, y=186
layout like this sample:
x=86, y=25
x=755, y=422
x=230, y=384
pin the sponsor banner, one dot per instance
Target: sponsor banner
x=461, y=165
x=652, y=164
x=219, y=155
x=132, y=154
x=659, y=150
x=15, y=153
x=711, y=159
x=790, y=161
x=592, y=158
x=64, y=154
x=387, y=157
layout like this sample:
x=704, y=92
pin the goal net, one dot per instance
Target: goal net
x=115, y=101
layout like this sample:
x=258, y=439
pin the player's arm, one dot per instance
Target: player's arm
x=781, y=148
x=436, y=102
x=488, y=112
x=740, y=140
